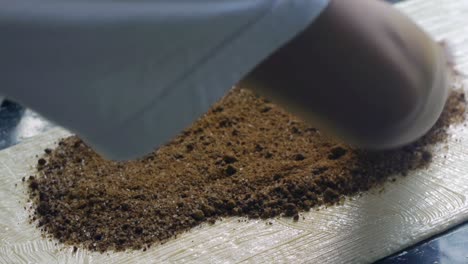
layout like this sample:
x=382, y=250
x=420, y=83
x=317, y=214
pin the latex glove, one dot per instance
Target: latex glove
x=363, y=72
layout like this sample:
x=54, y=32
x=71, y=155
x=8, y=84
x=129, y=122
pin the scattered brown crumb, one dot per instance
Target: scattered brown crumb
x=41, y=162
x=246, y=157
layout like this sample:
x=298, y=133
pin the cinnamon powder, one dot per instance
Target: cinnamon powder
x=245, y=157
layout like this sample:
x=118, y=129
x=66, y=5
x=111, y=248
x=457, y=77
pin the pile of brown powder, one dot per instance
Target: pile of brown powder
x=246, y=157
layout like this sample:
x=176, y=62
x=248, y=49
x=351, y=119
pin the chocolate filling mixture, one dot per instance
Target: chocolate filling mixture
x=245, y=157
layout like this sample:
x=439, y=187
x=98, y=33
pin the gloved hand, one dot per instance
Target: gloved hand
x=363, y=72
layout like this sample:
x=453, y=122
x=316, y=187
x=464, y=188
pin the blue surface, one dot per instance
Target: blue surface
x=17, y=123
x=10, y=115
x=449, y=247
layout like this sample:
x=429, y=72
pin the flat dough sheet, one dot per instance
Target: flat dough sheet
x=364, y=229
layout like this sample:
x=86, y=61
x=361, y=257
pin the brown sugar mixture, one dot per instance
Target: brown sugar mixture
x=245, y=157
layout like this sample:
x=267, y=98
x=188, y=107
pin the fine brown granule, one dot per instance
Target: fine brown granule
x=245, y=157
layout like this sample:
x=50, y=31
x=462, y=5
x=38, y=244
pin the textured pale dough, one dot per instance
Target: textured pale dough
x=362, y=230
